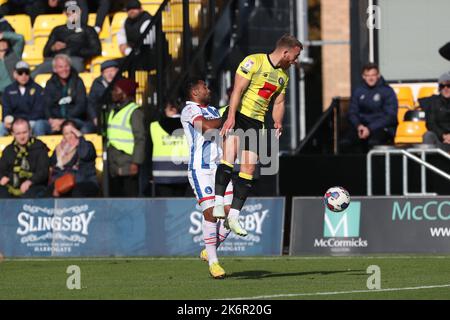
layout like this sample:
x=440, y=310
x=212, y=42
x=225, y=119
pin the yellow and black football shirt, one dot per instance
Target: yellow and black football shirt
x=265, y=81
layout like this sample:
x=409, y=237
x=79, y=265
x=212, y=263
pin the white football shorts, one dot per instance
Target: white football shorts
x=203, y=182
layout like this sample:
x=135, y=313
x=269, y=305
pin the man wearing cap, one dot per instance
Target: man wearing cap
x=126, y=140
x=11, y=48
x=24, y=99
x=128, y=36
x=438, y=116
x=109, y=70
x=80, y=42
x=65, y=97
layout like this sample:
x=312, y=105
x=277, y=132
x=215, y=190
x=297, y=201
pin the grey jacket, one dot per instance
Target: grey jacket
x=120, y=161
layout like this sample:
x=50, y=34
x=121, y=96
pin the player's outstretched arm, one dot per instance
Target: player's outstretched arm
x=206, y=124
x=278, y=113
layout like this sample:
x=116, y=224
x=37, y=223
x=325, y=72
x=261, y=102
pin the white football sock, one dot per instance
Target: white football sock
x=234, y=213
x=210, y=239
x=223, y=232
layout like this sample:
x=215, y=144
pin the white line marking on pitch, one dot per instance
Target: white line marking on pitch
x=335, y=293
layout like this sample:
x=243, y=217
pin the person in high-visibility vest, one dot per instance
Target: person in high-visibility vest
x=170, y=154
x=126, y=140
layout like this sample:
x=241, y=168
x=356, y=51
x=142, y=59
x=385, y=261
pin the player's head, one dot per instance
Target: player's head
x=289, y=48
x=371, y=74
x=197, y=90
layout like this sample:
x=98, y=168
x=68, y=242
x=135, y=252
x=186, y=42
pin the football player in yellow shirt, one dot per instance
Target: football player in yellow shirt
x=260, y=79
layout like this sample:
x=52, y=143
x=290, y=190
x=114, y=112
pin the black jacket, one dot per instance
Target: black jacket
x=38, y=159
x=375, y=107
x=97, y=89
x=29, y=106
x=438, y=116
x=82, y=165
x=84, y=44
x=53, y=93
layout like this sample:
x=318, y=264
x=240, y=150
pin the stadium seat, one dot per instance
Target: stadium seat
x=110, y=51
x=45, y=23
x=41, y=79
x=22, y=24
x=88, y=78
x=412, y=129
x=174, y=40
x=4, y=141
x=117, y=22
x=427, y=92
x=405, y=96
x=51, y=141
x=33, y=55
x=1, y=112
x=106, y=28
x=97, y=140
x=173, y=17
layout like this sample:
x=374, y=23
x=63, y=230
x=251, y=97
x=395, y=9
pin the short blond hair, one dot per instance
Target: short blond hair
x=289, y=41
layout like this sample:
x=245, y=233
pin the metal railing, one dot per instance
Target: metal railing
x=387, y=151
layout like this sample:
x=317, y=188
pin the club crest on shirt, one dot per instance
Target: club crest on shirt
x=281, y=81
x=32, y=91
x=362, y=97
x=376, y=97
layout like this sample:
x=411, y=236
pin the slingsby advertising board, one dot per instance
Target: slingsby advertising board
x=130, y=227
x=371, y=225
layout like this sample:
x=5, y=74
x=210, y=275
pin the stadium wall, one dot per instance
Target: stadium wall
x=371, y=225
x=130, y=227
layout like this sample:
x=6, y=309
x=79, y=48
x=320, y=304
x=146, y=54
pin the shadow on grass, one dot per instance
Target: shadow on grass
x=262, y=274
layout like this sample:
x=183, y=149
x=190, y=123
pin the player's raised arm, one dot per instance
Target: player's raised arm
x=278, y=113
x=240, y=85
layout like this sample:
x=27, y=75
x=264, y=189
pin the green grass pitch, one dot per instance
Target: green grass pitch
x=402, y=277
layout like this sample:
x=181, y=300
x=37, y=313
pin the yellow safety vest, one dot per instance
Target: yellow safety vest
x=120, y=134
x=170, y=156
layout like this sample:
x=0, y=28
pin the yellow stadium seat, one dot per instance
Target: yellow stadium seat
x=412, y=129
x=173, y=16
x=41, y=79
x=401, y=113
x=110, y=51
x=5, y=141
x=174, y=40
x=33, y=55
x=118, y=21
x=427, y=92
x=51, y=141
x=1, y=112
x=405, y=96
x=22, y=24
x=97, y=141
x=106, y=28
x=45, y=23
x=88, y=78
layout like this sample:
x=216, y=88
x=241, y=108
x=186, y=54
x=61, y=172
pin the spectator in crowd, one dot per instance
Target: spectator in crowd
x=372, y=113
x=128, y=36
x=65, y=97
x=24, y=164
x=79, y=43
x=168, y=141
x=11, y=7
x=438, y=116
x=4, y=25
x=11, y=48
x=24, y=99
x=109, y=70
x=77, y=156
x=126, y=140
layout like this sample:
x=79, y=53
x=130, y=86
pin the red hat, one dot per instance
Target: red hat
x=128, y=86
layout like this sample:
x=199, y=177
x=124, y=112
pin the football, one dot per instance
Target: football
x=336, y=199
